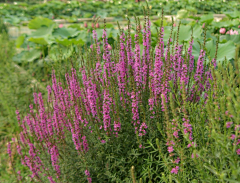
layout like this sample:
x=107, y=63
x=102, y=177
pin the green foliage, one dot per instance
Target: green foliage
x=120, y=159
x=72, y=10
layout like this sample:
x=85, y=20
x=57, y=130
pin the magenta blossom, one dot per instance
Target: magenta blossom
x=103, y=141
x=175, y=170
x=238, y=151
x=196, y=156
x=232, y=32
x=60, y=26
x=9, y=149
x=177, y=160
x=170, y=149
x=109, y=47
x=233, y=136
x=222, y=31
x=228, y=124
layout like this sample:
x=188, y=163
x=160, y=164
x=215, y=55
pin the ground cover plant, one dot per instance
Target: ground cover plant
x=72, y=10
x=128, y=114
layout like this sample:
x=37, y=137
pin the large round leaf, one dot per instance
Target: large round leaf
x=225, y=50
x=185, y=33
x=58, y=52
x=66, y=32
x=235, y=14
x=31, y=55
x=206, y=18
x=41, y=40
x=38, y=22
x=42, y=36
x=69, y=42
x=182, y=14
x=227, y=37
x=42, y=32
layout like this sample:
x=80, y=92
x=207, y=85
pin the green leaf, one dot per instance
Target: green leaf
x=227, y=37
x=31, y=55
x=76, y=26
x=66, y=32
x=87, y=15
x=158, y=23
x=41, y=40
x=20, y=41
x=225, y=23
x=182, y=14
x=57, y=52
x=235, y=14
x=99, y=33
x=206, y=18
x=38, y=22
x=83, y=36
x=42, y=36
x=197, y=31
x=68, y=42
x=102, y=13
x=185, y=33
x=18, y=57
x=231, y=180
x=226, y=50
x=42, y=32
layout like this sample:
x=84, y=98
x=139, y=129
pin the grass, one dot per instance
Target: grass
x=16, y=88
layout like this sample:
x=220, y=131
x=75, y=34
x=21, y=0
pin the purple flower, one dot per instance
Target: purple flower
x=87, y=173
x=175, y=170
x=85, y=144
x=233, y=136
x=51, y=180
x=238, y=151
x=170, y=149
x=175, y=134
x=9, y=151
x=228, y=124
x=106, y=111
x=19, y=177
x=192, y=156
x=54, y=158
x=177, y=160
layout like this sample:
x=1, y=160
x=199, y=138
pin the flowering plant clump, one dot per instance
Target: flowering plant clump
x=153, y=108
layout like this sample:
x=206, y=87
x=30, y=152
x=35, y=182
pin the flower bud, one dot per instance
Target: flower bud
x=222, y=31
x=139, y=27
x=109, y=47
x=97, y=25
x=85, y=24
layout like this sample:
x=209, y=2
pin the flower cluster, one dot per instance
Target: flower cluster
x=115, y=88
